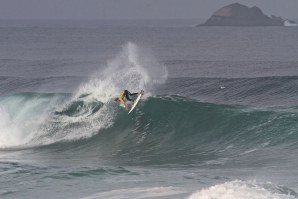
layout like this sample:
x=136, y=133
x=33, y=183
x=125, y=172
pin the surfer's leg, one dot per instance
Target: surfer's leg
x=132, y=94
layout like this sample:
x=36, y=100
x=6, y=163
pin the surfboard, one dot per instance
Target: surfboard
x=136, y=101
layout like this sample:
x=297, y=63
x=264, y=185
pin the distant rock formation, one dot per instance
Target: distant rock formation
x=240, y=15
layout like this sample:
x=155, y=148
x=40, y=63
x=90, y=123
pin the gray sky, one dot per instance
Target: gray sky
x=133, y=9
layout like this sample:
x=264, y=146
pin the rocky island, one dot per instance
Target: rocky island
x=240, y=15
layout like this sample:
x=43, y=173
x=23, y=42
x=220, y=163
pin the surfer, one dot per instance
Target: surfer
x=125, y=96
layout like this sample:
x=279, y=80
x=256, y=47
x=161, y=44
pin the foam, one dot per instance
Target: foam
x=64, y=128
x=20, y=117
x=134, y=69
x=241, y=190
x=10, y=134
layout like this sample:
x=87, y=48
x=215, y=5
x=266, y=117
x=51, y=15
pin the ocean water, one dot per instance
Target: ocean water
x=219, y=119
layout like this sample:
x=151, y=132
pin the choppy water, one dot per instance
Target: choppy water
x=218, y=119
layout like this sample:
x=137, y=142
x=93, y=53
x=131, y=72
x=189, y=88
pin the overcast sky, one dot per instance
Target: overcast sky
x=134, y=9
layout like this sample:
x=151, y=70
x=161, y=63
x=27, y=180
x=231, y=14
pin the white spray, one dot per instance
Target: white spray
x=134, y=69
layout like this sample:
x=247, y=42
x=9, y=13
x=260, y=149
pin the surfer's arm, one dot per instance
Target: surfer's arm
x=127, y=94
x=132, y=93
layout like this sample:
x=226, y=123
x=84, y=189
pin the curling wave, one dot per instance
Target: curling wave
x=162, y=129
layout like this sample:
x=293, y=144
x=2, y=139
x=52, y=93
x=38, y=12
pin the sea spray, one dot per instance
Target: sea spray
x=40, y=119
x=134, y=69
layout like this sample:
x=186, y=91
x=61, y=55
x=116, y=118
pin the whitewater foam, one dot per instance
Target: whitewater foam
x=21, y=115
x=67, y=128
x=134, y=69
x=10, y=134
x=243, y=190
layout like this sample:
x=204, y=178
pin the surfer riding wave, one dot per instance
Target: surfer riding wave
x=125, y=95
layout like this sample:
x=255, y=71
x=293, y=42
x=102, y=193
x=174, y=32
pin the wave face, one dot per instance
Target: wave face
x=172, y=129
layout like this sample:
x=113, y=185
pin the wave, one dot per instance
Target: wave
x=162, y=129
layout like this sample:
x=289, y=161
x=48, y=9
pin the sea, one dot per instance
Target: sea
x=218, y=120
